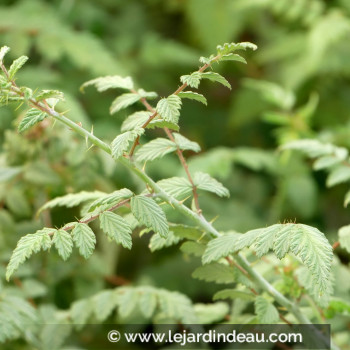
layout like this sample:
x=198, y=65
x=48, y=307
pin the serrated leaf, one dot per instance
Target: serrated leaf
x=177, y=187
x=111, y=199
x=124, y=101
x=231, y=47
x=3, y=51
x=211, y=313
x=169, y=108
x=104, y=303
x=154, y=149
x=185, y=144
x=266, y=311
x=217, y=78
x=147, y=94
x=121, y=143
x=44, y=94
x=116, y=228
x=150, y=214
x=32, y=117
x=233, y=294
x=339, y=175
x=71, y=200
x=207, y=183
x=81, y=311
x=193, y=248
x=127, y=301
x=84, y=239
x=16, y=66
x=157, y=242
x=188, y=232
x=191, y=80
x=306, y=242
x=135, y=120
x=110, y=82
x=344, y=237
x=64, y=243
x=147, y=302
x=193, y=96
x=233, y=57
x=161, y=123
x=26, y=246
x=215, y=272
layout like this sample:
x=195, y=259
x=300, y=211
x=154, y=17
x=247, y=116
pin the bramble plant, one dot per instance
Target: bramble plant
x=305, y=270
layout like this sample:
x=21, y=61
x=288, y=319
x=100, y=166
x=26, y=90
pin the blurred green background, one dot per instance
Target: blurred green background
x=295, y=86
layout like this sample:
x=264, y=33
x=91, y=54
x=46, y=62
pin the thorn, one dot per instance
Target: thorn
x=185, y=199
x=214, y=219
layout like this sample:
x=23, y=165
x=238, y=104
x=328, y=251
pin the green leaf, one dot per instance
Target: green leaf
x=211, y=313
x=191, y=80
x=124, y=101
x=344, y=237
x=64, y=243
x=154, y=149
x=158, y=242
x=147, y=302
x=16, y=66
x=207, y=183
x=216, y=77
x=306, y=242
x=147, y=94
x=325, y=162
x=81, y=311
x=193, y=96
x=135, y=120
x=185, y=144
x=215, y=272
x=8, y=173
x=116, y=228
x=161, y=123
x=3, y=51
x=149, y=213
x=104, y=303
x=347, y=199
x=71, y=200
x=109, y=200
x=177, y=187
x=233, y=57
x=339, y=175
x=84, y=239
x=227, y=48
x=110, y=82
x=266, y=312
x=28, y=245
x=233, y=294
x=121, y=143
x=188, y=232
x=44, y=94
x=32, y=117
x=128, y=300
x=193, y=248
x=169, y=108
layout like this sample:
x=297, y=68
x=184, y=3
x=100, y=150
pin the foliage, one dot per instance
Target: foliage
x=220, y=205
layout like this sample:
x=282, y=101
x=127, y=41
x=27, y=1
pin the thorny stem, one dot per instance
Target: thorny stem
x=292, y=307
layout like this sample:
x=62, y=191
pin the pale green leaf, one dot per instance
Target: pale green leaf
x=135, y=120
x=347, y=199
x=185, y=144
x=325, y=162
x=216, y=77
x=149, y=213
x=104, y=303
x=44, y=94
x=16, y=66
x=3, y=51
x=177, y=187
x=71, y=200
x=233, y=57
x=28, y=245
x=121, y=143
x=154, y=149
x=191, y=80
x=338, y=175
x=64, y=243
x=193, y=96
x=147, y=302
x=147, y=94
x=127, y=300
x=207, y=183
x=211, y=313
x=124, y=101
x=111, y=199
x=266, y=311
x=193, y=248
x=32, y=117
x=161, y=123
x=158, y=242
x=227, y=48
x=84, y=239
x=344, y=237
x=233, y=294
x=215, y=272
x=81, y=311
x=116, y=228
x=169, y=108
x=188, y=232
x=8, y=173
x=110, y=82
